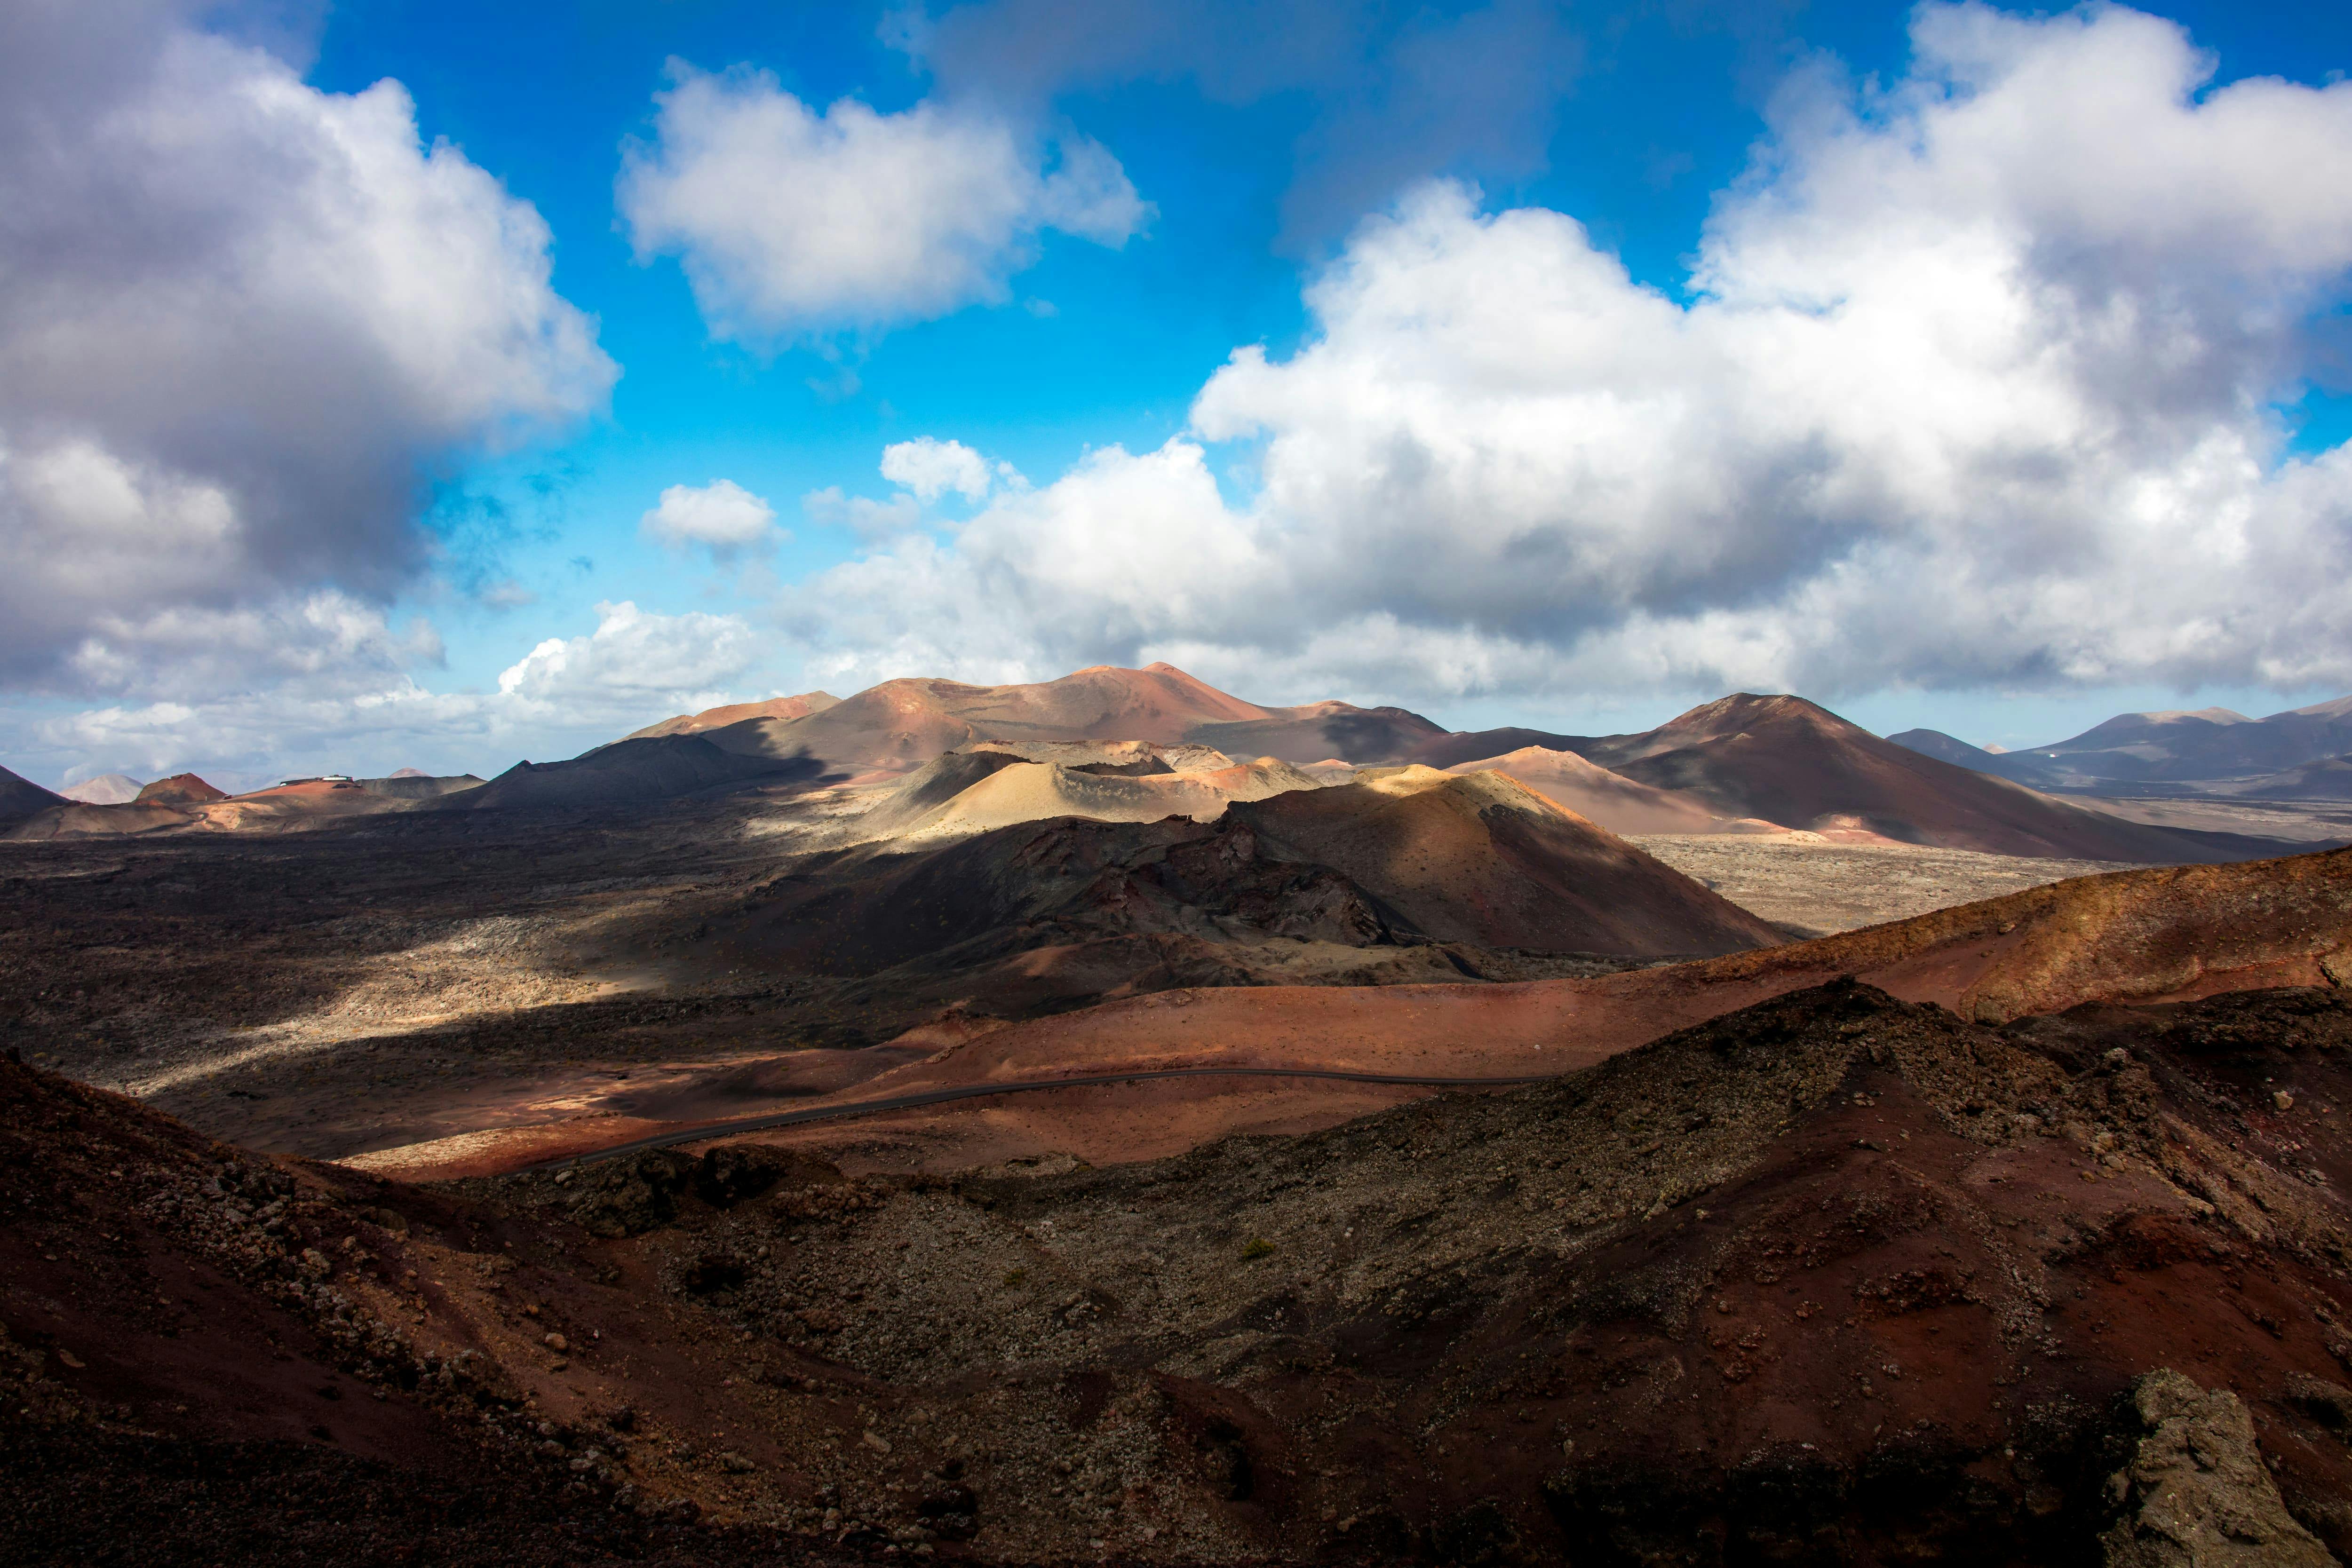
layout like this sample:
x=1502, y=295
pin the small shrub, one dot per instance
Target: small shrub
x=1257, y=1246
x=1015, y=1276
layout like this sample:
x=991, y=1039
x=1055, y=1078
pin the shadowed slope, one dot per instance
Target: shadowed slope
x=627, y=772
x=1791, y=762
x=1485, y=859
x=21, y=798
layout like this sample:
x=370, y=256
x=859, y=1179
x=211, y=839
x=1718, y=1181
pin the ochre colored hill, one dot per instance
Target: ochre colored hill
x=1485, y=859
x=779, y=709
x=1618, y=803
x=180, y=789
x=1790, y=761
x=900, y=724
x=1406, y=878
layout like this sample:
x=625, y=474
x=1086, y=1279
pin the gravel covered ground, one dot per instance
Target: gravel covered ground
x=1833, y=1276
x=1813, y=889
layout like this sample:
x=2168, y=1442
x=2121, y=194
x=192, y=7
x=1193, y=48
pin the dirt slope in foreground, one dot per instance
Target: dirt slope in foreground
x=1833, y=1279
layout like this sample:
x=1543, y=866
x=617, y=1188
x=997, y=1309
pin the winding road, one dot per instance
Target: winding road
x=977, y=1091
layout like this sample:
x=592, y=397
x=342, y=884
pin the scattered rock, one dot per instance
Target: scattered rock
x=2197, y=1494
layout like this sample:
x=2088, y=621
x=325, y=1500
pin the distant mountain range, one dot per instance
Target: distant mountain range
x=1737, y=764
x=2303, y=754
x=1744, y=763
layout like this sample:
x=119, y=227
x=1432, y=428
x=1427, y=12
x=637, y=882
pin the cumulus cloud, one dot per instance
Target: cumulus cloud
x=634, y=663
x=795, y=223
x=869, y=519
x=245, y=323
x=721, y=515
x=341, y=698
x=930, y=468
x=1979, y=386
x=1389, y=94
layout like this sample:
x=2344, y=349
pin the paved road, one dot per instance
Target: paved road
x=977, y=1091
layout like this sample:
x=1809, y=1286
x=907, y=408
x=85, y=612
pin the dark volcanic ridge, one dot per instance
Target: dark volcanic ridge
x=21, y=798
x=1833, y=1278
x=1431, y=878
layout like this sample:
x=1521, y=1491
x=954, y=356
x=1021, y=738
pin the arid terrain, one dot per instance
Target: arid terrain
x=1079, y=1141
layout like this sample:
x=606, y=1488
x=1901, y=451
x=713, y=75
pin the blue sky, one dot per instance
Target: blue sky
x=1266, y=185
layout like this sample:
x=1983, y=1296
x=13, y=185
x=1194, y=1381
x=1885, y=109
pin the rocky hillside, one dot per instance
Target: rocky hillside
x=1835, y=1277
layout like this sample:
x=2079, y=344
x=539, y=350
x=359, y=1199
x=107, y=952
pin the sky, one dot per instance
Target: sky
x=398, y=383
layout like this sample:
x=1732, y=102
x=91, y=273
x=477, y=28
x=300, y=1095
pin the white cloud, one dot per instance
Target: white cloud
x=792, y=222
x=634, y=663
x=328, y=688
x=870, y=521
x=243, y=321
x=931, y=467
x=1977, y=389
x=721, y=515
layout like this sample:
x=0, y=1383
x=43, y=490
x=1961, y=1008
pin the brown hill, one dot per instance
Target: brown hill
x=2159, y=935
x=779, y=709
x=1618, y=803
x=21, y=798
x=1408, y=879
x=1485, y=859
x=903, y=723
x=180, y=789
x=1790, y=761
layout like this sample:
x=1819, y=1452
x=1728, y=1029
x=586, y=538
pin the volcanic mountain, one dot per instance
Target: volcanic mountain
x=967, y=792
x=106, y=790
x=900, y=724
x=2163, y=752
x=1790, y=761
x=778, y=708
x=1617, y=803
x=21, y=798
x=630, y=773
x=1415, y=877
x=2330, y=778
x=179, y=789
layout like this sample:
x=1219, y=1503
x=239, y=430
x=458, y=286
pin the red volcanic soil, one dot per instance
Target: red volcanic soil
x=1835, y=1277
x=900, y=724
x=778, y=708
x=1618, y=803
x=209, y=1356
x=180, y=789
x=1790, y=761
x=2150, y=935
x=307, y=789
x=1485, y=859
